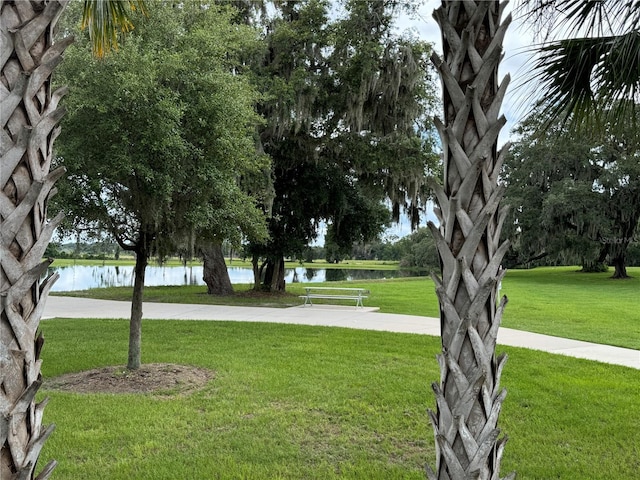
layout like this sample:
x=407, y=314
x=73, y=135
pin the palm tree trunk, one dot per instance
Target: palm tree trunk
x=29, y=115
x=468, y=395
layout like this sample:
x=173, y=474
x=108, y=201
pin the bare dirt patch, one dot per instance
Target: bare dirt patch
x=165, y=378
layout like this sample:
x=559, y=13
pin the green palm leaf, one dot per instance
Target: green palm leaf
x=594, y=76
x=590, y=78
x=592, y=17
x=106, y=18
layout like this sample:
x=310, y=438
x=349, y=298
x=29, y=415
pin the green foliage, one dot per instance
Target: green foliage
x=418, y=250
x=590, y=78
x=574, y=197
x=360, y=220
x=293, y=402
x=633, y=253
x=158, y=133
x=346, y=104
x=54, y=250
x=106, y=20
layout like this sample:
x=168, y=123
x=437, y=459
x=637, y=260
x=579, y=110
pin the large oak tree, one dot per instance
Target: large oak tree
x=575, y=194
x=345, y=103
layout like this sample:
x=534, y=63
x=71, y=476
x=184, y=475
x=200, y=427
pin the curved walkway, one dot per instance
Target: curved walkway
x=349, y=317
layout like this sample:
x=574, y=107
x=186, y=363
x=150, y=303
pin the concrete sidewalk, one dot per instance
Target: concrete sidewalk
x=331, y=316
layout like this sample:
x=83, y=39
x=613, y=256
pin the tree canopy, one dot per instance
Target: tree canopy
x=346, y=103
x=159, y=133
x=575, y=197
x=418, y=250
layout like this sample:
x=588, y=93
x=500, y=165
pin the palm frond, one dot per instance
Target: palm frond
x=590, y=78
x=618, y=75
x=600, y=17
x=582, y=18
x=593, y=76
x=106, y=19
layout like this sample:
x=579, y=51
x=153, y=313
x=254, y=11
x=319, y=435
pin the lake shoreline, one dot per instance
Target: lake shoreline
x=85, y=277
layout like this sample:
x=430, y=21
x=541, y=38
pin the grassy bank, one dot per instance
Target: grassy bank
x=292, y=402
x=555, y=301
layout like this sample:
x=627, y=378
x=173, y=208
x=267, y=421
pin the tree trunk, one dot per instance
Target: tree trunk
x=257, y=273
x=135, y=322
x=620, y=266
x=468, y=395
x=598, y=265
x=625, y=212
x=274, y=275
x=29, y=116
x=215, y=273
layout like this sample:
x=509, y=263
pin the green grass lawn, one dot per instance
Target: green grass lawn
x=555, y=301
x=300, y=402
x=586, y=306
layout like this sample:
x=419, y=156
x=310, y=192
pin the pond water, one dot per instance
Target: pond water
x=79, y=277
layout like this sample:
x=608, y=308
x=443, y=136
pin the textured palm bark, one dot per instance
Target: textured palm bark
x=468, y=395
x=29, y=115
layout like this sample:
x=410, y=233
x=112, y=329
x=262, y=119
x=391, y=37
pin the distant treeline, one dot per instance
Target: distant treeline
x=413, y=251
x=416, y=250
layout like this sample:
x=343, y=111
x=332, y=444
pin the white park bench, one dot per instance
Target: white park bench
x=335, y=293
